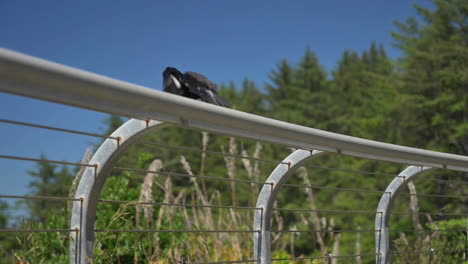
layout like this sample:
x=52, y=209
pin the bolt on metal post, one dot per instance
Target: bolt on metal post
x=431, y=255
x=329, y=257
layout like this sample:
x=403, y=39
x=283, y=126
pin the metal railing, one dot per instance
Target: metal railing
x=153, y=111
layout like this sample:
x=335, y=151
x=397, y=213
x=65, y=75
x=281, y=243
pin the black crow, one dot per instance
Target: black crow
x=192, y=85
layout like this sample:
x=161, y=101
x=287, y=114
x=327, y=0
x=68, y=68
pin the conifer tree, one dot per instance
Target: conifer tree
x=434, y=78
x=48, y=180
x=362, y=94
x=295, y=92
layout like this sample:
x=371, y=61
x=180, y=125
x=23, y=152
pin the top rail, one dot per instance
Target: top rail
x=33, y=77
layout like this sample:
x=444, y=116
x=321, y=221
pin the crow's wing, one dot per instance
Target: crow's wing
x=204, y=88
x=218, y=100
x=210, y=96
x=200, y=79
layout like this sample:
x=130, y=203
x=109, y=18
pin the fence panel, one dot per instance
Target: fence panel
x=140, y=197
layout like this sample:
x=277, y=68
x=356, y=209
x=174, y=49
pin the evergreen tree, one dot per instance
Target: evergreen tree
x=282, y=79
x=6, y=241
x=48, y=180
x=362, y=94
x=434, y=77
x=295, y=94
x=345, y=93
x=248, y=98
x=251, y=99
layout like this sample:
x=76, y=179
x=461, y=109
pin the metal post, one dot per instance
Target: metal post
x=382, y=237
x=431, y=255
x=267, y=196
x=94, y=178
x=329, y=257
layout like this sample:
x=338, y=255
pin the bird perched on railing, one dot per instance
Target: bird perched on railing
x=192, y=85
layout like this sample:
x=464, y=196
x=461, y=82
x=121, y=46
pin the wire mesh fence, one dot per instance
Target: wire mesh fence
x=166, y=192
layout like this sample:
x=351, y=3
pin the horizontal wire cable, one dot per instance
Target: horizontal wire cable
x=324, y=231
x=333, y=188
x=361, y=212
x=195, y=149
x=299, y=258
x=373, y=191
x=327, y=257
x=175, y=174
x=449, y=250
x=436, y=195
x=173, y=231
x=56, y=129
x=353, y=171
x=427, y=213
x=428, y=251
x=380, y=174
x=366, y=231
x=325, y=211
x=182, y=205
x=200, y=150
x=23, y=230
x=355, y=255
x=228, y=261
x=32, y=197
x=45, y=160
x=213, y=152
x=259, y=182
x=428, y=230
x=446, y=181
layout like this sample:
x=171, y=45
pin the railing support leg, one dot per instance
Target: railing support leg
x=267, y=196
x=93, y=179
x=382, y=236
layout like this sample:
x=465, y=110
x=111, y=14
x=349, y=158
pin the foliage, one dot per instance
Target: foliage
x=434, y=77
x=445, y=242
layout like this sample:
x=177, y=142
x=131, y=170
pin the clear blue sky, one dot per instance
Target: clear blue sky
x=135, y=40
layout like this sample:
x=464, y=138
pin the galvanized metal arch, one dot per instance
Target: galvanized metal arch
x=267, y=196
x=94, y=178
x=382, y=237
